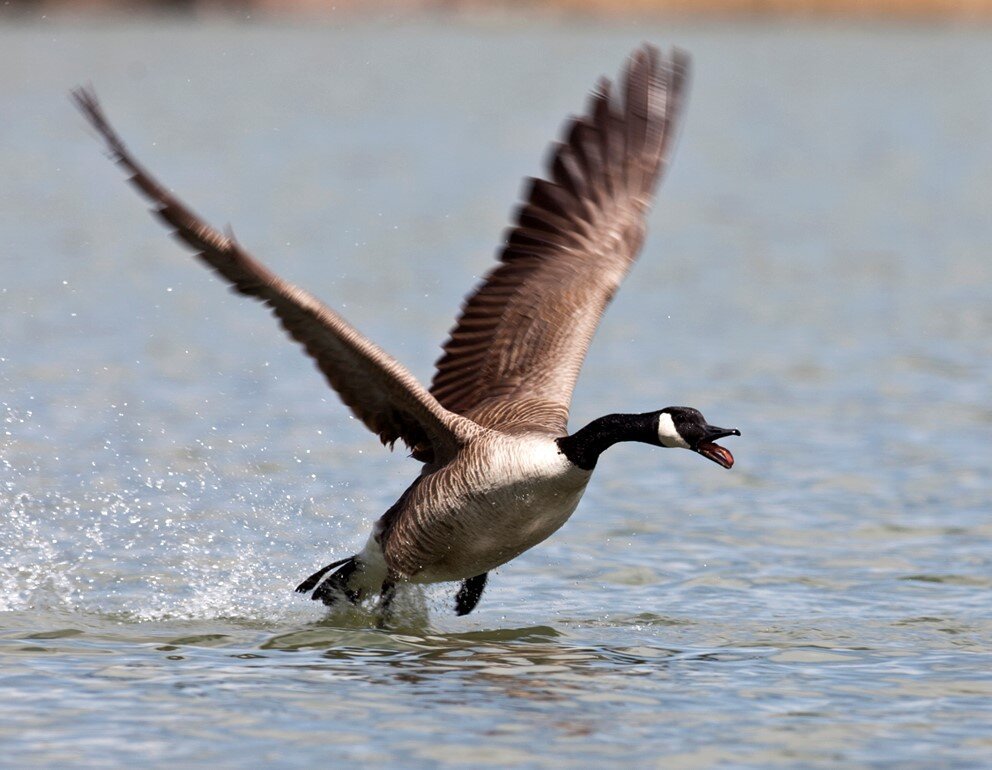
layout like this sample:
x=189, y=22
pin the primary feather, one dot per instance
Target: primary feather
x=515, y=353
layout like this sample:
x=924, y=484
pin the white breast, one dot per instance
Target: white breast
x=526, y=491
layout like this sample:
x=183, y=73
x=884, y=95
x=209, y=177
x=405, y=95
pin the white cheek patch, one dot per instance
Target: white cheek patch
x=667, y=434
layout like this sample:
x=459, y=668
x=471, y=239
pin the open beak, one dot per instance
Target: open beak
x=709, y=449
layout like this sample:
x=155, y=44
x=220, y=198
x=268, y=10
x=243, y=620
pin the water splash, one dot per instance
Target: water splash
x=196, y=541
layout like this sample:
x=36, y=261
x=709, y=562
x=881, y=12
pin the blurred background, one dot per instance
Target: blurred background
x=606, y=8
x=817, y=273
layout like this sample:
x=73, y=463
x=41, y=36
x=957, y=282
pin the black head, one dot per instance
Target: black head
x=685, y=427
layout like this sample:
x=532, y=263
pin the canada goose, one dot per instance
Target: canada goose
x=500, y=471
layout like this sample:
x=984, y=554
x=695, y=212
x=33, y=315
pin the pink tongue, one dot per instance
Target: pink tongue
x=716, y=450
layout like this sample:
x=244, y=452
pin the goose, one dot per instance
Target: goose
x=500, y=471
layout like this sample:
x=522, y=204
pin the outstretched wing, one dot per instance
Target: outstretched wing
x=379, y=390
x=515, y=353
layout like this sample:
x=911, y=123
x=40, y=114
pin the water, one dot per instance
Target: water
x=817, y=275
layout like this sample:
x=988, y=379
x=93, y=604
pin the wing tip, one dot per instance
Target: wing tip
x=600, y=159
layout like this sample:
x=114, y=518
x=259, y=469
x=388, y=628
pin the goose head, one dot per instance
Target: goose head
x=686, y=428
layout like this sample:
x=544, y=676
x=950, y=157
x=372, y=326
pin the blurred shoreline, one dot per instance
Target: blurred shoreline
x=856, y=9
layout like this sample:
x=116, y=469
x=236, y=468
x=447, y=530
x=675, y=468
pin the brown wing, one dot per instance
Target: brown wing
x=515, y=353
x=378, y=389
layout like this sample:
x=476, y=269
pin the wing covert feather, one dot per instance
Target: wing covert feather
x=379, y=390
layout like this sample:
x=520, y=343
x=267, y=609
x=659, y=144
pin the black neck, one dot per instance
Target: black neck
x=584, y=447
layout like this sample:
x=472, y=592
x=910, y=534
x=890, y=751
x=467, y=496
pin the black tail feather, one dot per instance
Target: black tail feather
x=311, y=582
x=336, y=585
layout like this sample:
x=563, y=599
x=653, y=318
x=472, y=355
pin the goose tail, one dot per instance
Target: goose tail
x=354, y=578
x=337, y=586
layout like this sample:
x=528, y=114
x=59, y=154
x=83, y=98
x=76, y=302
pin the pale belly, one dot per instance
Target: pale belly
x=519, y=502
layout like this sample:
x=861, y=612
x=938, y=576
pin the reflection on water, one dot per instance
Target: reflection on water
x=170, y=467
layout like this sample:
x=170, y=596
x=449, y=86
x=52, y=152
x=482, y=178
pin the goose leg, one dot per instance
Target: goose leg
x=469, y=594
x=386, y=596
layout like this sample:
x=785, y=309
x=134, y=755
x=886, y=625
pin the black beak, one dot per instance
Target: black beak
x=713, y=433
x=709, y=449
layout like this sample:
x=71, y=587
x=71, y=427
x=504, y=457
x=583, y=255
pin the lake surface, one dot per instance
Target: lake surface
x=818, y=274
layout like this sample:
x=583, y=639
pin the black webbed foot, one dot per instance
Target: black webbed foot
x=469, y=594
